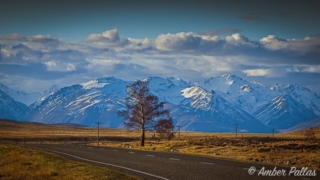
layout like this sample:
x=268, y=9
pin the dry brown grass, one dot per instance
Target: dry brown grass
x=11, y=131
x=286, y=149
x=26, y=163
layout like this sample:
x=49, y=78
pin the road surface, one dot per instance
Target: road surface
x=166, y=165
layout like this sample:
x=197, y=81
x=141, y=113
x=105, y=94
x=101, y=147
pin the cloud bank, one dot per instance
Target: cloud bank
x=188, y=55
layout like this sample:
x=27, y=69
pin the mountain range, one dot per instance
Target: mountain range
x=214, y=104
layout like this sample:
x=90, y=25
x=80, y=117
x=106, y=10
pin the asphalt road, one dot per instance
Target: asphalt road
x=166, y=165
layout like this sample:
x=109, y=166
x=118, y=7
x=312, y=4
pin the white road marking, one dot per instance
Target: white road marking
x=131, y=152
x=150, y=155
x=175, y=159
x=207, y=163
x=113, y=165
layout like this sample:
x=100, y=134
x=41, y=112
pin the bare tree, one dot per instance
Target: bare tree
x=143, y=110
x=165, y=129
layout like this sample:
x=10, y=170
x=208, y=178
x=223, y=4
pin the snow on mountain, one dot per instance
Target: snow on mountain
x=96, y=100
x=214, y=104
x=284, y=112
x=208, y=111
x=226, y=83
x=51, y=90
x=249, y=96
x=27, y=98
x=167, y=89
x=21, y=96
x=11, y=109
x=45, y=94
x=301, y=94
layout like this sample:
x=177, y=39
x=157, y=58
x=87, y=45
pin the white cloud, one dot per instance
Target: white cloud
x=112, y=35
x=50, y=63
x=191, y=42
x=139, y=44
x=187, y=55
x=270, y=38
x=179, y=41
x=257, y=72
x=236, y=38
x=239, y=40
x=274, y=43
x=306, y=45
x=111, y=39
x=305, y=69
x=265, y=72
x=108, y=35
x=60, y=66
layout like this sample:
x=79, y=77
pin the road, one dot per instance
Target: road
x=164, y=165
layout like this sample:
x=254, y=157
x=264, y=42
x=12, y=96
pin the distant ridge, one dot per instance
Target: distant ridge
x=68, y=125
x=212, y=105
x=304, y=125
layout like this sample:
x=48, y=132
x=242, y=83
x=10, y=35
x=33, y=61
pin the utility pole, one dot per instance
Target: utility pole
x=236, y=124
x=98, y=130
x=178, y=132
x=273, y=132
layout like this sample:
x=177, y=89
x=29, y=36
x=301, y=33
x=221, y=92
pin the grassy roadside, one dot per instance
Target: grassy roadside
x=25, y=163
x=284, y=153
x=284, y=149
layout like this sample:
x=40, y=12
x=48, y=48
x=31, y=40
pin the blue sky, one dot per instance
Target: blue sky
x=68, y=42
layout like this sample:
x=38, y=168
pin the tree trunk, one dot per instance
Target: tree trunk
x=142, y=136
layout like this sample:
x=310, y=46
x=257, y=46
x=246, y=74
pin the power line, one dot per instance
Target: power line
x=98, y=130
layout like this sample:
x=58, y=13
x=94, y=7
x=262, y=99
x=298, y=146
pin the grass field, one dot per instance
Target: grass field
x=25, y=163
x=285, y=149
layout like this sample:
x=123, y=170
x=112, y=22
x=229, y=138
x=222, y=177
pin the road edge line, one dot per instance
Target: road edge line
x=98, y=162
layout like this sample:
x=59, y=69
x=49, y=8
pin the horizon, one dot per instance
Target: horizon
x=62, y=43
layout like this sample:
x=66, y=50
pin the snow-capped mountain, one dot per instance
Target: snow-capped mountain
x=301, y=94
x=98, y=100
x=168, y=89
x=26, y=98
x=87, y=103
x=259, y=100
x=45, y=95
x=21, y=96
x=101, y=99
x=214, y=104
x=211, y=112
x=284, y=112
x=249, y=96
x=11, y=109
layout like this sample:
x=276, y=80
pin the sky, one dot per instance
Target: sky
x=45, y=43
